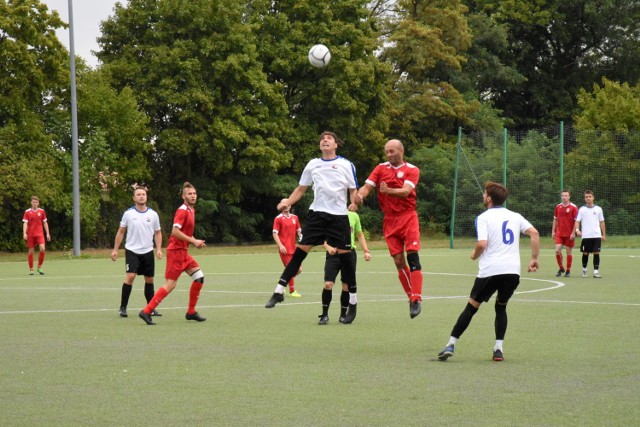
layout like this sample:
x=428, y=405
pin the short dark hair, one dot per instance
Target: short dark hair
x=588, y=192
x=326, y=132
x=140, y=187
x=497, y=192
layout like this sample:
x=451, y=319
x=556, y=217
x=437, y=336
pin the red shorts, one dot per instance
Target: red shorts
x=402, y=232
x=565, y=241
x=286, y=258
x=178, y=260
x=32, y=241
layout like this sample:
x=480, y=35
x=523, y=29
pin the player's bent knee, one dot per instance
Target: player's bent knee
x=198, y=276
x=501, y=306
x=413, y=259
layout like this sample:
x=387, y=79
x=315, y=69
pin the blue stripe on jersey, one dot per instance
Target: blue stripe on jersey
x=353, y=171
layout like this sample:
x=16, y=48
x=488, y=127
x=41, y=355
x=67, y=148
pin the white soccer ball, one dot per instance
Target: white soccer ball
x=319, y=56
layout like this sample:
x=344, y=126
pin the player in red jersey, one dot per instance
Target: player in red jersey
x=179, y=260
x=34, y=221
x=396, y=182
x=564, y=216
x=286, y=232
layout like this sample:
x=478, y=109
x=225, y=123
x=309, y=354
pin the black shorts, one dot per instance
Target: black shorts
x=590, y=245
x=321, y=227
x=332, y=266
x=505, y=284
x=140, y=264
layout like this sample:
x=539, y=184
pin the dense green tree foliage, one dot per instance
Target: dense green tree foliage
x=607, y=156
x=220, y=93
x=561, y=47
x=35, y=129
x=31, y=74
x=214, y=118
x=233, y=101
x=425, y=44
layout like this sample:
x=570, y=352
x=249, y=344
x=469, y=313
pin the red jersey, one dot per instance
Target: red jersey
x=34, y=220
x=185, y=220
x=395, y=177
x=565, y=215
x=287, y=229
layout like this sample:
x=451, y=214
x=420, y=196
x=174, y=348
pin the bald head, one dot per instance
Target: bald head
x=396, y=143
x=394, y=150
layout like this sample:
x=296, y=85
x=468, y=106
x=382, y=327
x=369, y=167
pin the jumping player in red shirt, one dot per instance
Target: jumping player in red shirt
x=33, y=222
x=179, y=260
x=564, y=216
x=286, y=232
x=396, y=182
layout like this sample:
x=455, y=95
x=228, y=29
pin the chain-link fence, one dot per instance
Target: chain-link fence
x=537, y=164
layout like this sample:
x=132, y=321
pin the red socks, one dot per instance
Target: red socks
x=40, y=259
x=416, y=285
x=156, y=300
x=569, y=261
x=405, y=281
x=194, y=294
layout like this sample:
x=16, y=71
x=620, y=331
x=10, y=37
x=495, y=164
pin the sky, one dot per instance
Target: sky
x=87, y=15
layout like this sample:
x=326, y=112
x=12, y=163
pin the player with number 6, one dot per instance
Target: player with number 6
x=498, y=252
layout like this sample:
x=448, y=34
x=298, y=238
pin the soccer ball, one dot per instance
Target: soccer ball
x=319, y=56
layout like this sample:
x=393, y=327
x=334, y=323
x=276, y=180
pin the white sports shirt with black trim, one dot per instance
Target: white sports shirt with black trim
x=590, y=218
x=501, y=228
x=141, y=227
x=331, y=180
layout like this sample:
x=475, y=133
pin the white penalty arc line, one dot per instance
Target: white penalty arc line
x=389, y=298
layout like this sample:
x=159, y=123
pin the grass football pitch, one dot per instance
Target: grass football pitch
x=572, y=350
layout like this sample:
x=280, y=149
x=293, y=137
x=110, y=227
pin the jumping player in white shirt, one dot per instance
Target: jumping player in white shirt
x=333, y=178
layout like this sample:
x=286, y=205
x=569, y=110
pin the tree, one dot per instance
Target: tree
x=613, y=106
x=214, y=118
x=483, y=74
x=348, y=96
x=425, y=44
x=114, y=154
x=607, y=156
x=31, y=79
x=233, y=101
x=561, y=47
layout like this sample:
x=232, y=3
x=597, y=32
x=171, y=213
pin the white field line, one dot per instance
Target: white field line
x=377, y=298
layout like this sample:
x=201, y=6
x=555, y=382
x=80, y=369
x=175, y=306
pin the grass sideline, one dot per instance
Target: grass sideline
x=571, y=351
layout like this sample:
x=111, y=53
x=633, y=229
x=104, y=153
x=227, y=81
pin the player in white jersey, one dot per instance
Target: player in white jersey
x=142, y=226
x=498, y=251
x=333, y=178
x=590, y=225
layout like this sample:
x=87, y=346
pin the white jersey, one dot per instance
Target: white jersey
x=331, y=180
x=141, y=227
x=590, y=218
x=501, y=228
